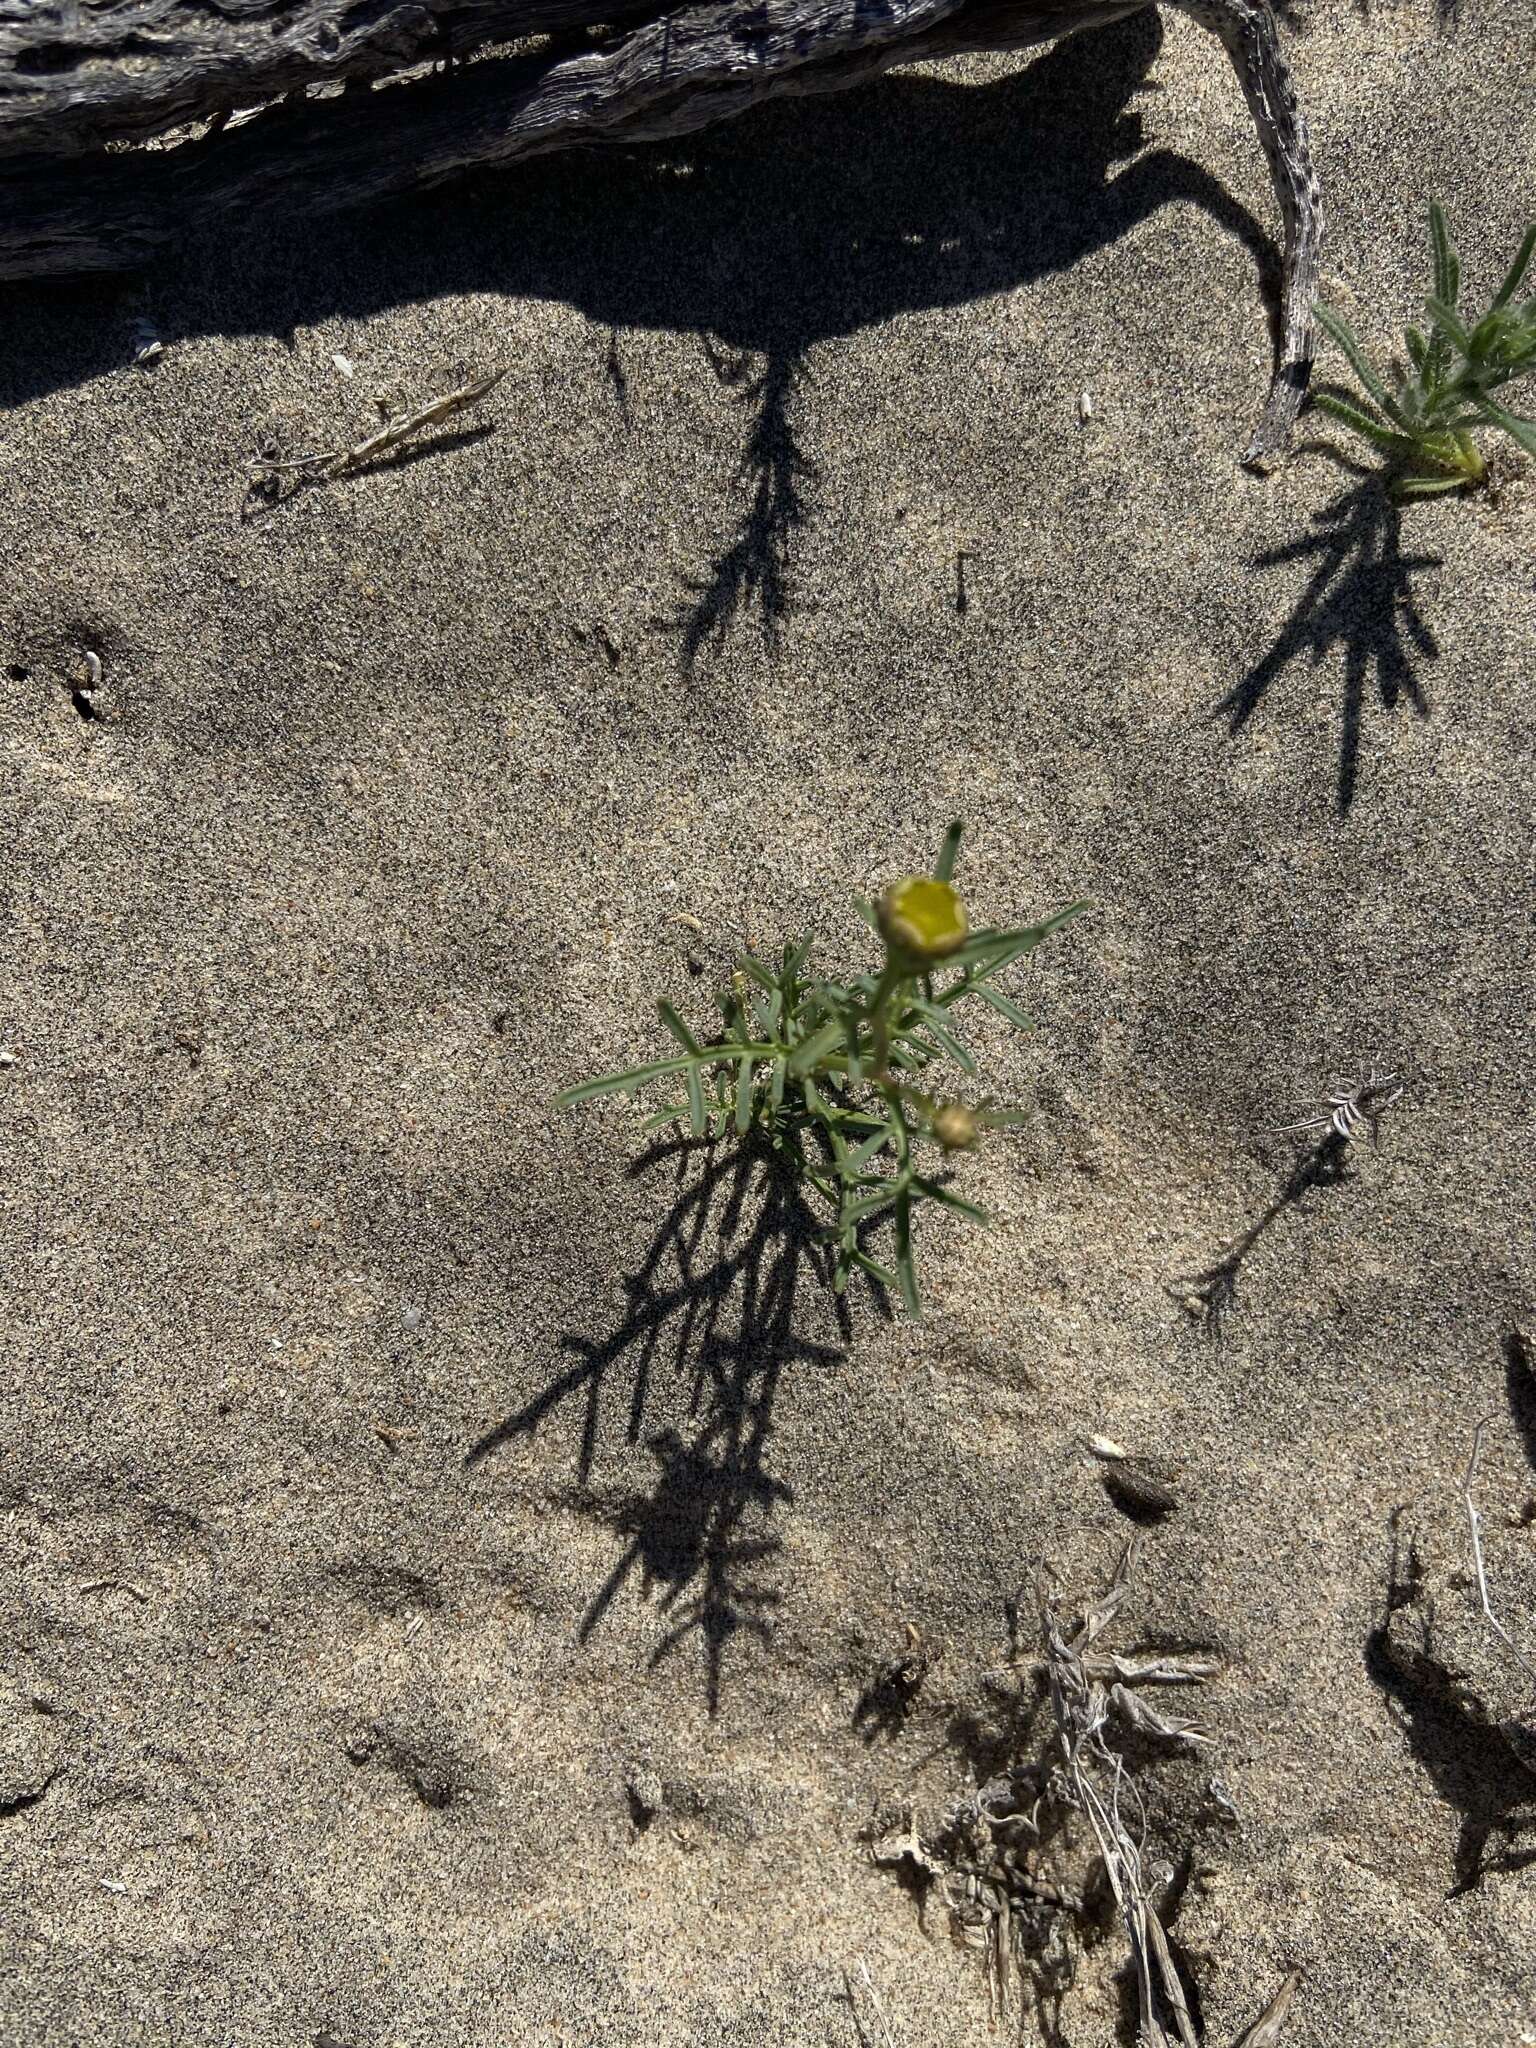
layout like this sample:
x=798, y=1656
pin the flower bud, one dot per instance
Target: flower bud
x=955, y=1126
x=922, y=920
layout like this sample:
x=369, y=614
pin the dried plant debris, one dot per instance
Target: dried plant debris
x=266, y=469
x=1140, y=1487
x=1455, y=1679
x=1349, y=1106
x=1475, y=1532
x=1032, y=1864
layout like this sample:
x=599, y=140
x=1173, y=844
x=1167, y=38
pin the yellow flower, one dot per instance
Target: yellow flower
x=922, y=920
x=955, y=1126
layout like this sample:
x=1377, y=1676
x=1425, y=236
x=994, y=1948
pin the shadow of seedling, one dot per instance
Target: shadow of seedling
x=1211, y=1293
x=715, y=1299
x=1467, y=1757
x=1360, y=600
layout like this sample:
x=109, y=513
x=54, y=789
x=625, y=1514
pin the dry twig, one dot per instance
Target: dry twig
x=1347, y=1105
x=396, y=430
x=1475, y=1528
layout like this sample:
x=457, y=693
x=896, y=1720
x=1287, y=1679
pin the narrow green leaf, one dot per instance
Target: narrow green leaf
x=810, y=1051
x=1418, y=348
x=1005, y=1006
x=871, y=1148
x=1426, y=486
x=696, y=1120
x=866, y=910
x=906, y=1269
x=1449, y=321
x=794, y=960
x=945, y=867
x=617, y=1084
x=933, y=1023
x=1342, y=335
x=677, y=1027
x=1354, y=416
x=937, y=1192
x=1518, y=429
x=876, y=1271
x=744, y=1079
x=674, y=1113
x=988, y=952
x=868, y=1205
x=776, y=1085
x=1515, y=276
x=754, y=969
x=1447, y=267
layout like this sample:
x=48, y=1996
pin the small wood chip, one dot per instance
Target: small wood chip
x=1106, y=1447
x=1267, y=2028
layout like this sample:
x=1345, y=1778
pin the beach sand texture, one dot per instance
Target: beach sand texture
x=443, y=1549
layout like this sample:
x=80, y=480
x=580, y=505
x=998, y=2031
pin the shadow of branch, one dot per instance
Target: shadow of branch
x=1211, y=1293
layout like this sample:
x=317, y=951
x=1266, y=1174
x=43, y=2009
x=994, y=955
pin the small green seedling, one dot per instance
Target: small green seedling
x=828, y=1071
x=1421, y=422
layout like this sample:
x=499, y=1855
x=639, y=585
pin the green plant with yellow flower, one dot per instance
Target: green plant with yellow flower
x=830, y=1071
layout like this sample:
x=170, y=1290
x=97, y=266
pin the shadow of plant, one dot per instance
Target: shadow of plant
x=1467, y=1758
x=1211, y=1293
x=774, y=475
x=715, y=1297
x=1360, y=599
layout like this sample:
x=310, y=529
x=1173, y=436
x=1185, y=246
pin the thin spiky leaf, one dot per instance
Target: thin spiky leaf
x=1450, y=323
x=617, y=1084
x=678, y=1028
x=1345, y=409
x=1340, y=333
x=1447, y=263
x=1517, y=428
x=944, y=868
x=1515, y=276
x=1427, y=486
x=754, y=969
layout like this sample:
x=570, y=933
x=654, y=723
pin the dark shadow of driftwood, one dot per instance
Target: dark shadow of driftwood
x=1359, y=602
x=1466, y=1758
x=797, y=225
x=1520, y=1387
x=1211, y=1293
x=714, y=1302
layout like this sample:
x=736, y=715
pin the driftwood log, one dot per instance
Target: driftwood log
x=125, y=124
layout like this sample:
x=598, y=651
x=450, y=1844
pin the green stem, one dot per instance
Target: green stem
x=878, y=1019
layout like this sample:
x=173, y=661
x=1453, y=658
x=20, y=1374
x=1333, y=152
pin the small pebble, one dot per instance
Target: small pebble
x=1139, y=1489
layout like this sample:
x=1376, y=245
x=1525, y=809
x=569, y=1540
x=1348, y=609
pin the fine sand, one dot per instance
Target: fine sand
x=448, y=1559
